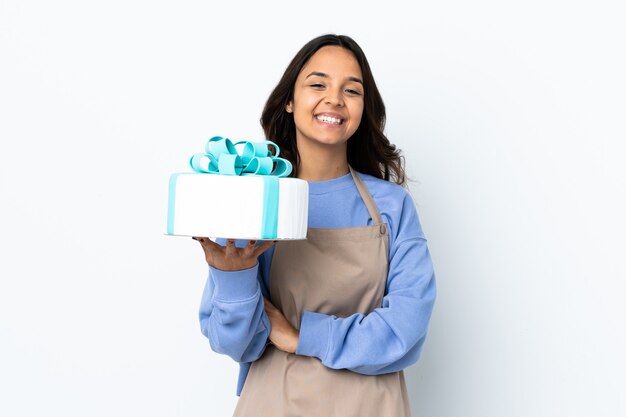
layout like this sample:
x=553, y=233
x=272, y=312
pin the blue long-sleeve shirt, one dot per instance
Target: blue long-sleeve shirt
x=388, y=339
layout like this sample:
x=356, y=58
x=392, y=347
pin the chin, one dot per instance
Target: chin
x=332, y=142
x=333, y=139
x=325, y=139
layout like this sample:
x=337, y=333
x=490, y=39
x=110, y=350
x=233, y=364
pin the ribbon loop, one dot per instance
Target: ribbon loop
x=205, y=163
x=221, y=157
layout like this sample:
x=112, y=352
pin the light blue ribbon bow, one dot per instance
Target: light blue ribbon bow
x=221, y=157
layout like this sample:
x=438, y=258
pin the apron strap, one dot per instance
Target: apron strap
x=367, y=197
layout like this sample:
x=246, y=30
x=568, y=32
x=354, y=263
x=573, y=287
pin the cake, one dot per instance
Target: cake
x=240, y=196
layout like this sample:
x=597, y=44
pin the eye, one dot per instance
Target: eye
x=317, y=85
x=353, y=92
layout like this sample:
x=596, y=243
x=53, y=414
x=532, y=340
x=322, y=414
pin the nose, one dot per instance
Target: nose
x=334, y=97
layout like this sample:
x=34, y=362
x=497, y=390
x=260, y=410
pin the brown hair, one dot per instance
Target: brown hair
x=369, y=151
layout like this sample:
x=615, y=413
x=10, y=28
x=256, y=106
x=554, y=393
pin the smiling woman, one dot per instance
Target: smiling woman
x=324, y=64
x=328, y=99
x=325, y=326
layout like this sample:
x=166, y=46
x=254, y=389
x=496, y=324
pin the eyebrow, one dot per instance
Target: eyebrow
x=324, y=75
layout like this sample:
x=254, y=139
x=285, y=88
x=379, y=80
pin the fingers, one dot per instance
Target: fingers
x=230, y=247
x=206, y=242
x=199, y=239
x=230, y=256
x=263, y=247
x=248, y=250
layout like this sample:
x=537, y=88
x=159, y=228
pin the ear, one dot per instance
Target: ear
x=289, y=107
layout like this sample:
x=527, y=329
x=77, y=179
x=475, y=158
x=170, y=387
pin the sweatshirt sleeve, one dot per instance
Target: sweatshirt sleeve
x=232, y=315
x=391, y=337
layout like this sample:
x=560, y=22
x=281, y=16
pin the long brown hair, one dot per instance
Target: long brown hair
x=369, y=150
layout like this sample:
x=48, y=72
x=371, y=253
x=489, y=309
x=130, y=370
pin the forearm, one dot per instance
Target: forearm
x=232, y=316
x=363, y=344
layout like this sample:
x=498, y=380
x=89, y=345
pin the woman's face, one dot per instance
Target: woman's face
x=327, y=103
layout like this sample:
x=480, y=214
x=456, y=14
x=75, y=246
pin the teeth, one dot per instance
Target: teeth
x=329, y=119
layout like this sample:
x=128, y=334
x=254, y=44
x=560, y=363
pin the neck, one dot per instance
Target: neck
x=321, y=163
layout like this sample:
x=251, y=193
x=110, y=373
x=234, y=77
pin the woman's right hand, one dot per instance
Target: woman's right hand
x=230, y=257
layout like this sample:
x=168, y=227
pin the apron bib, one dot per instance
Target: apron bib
x=336, y=271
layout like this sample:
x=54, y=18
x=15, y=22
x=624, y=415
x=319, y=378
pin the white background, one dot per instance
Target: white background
x=510, y=115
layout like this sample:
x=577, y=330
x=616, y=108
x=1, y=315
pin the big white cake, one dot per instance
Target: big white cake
x=239, y=207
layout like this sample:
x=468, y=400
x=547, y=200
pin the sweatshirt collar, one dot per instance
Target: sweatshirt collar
x=328, y=186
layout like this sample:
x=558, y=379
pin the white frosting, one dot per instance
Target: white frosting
x=232, y=206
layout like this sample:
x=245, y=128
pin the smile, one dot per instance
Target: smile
x=329, y=119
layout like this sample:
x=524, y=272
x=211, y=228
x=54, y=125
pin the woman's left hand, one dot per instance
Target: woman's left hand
x=283, y=335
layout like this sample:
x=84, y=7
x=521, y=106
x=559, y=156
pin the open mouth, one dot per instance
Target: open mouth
x=329, y=119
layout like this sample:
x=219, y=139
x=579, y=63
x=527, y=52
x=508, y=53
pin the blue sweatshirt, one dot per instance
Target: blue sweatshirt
x=388, y=339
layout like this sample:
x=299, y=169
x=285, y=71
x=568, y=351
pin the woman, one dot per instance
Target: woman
x=347, y=309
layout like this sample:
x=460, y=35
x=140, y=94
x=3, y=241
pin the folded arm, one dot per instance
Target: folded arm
x=391, y=337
